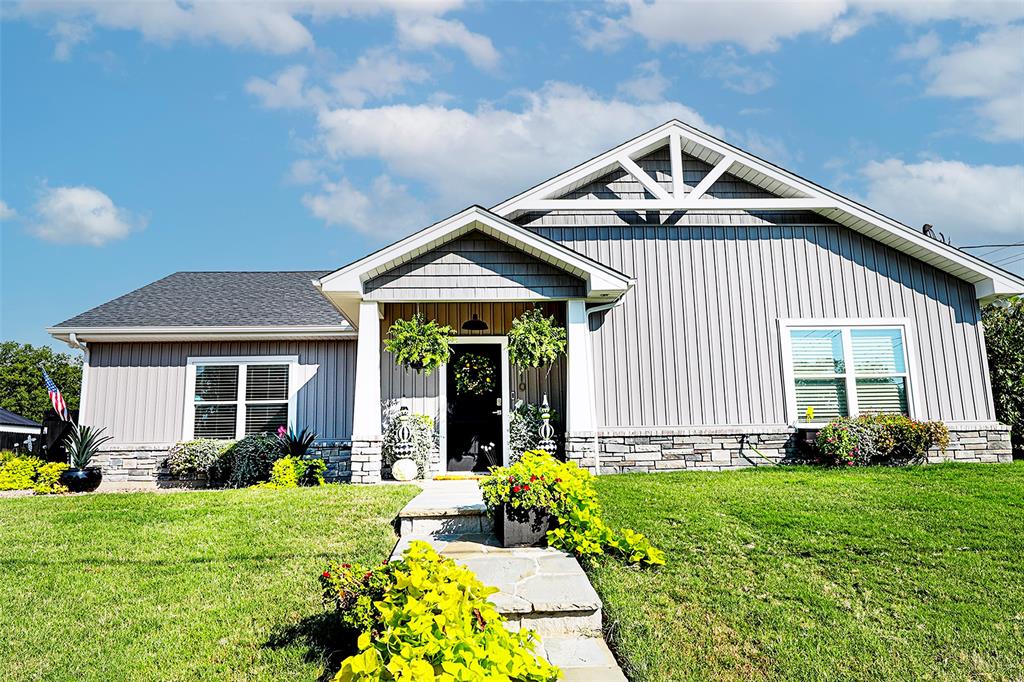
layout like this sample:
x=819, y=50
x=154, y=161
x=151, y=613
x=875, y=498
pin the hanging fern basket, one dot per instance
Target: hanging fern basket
x=419, y=344
x=535, y=340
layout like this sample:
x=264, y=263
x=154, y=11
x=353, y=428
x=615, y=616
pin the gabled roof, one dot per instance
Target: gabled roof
x=8, y=418
x=790, y=192
x=345, y=287
x=250, y=305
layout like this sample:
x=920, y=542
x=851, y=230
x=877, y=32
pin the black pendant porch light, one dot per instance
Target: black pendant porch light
x=474, y=325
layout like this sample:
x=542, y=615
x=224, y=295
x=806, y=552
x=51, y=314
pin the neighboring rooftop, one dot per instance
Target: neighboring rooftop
x=217, y=299
x=8, y=418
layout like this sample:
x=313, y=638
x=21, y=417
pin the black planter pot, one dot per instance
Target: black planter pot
x=521, y=527
x=82, y=480
x=806, y=443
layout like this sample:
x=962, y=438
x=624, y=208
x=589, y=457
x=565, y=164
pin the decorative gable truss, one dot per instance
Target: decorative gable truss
x=676, y=167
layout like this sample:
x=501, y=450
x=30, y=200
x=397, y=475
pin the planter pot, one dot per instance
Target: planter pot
x=404, y=469
x=521, y=527
x=82, y=480
x=806, y=444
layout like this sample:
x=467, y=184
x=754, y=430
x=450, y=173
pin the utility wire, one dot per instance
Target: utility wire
x=989, y=246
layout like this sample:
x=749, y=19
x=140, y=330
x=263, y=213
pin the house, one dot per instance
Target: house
x=18, y=431
x=710, y=298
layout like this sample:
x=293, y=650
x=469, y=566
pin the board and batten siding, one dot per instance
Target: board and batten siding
x=474, y=267
x=421, y=393
x=137, y=390
x=696, y=342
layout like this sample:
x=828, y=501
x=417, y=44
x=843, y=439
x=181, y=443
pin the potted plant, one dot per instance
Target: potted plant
x=520, y=498
x=419, y=344
x=408, y=441
x=82, y=443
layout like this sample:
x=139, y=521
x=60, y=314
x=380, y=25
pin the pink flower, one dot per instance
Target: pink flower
x=281, y=431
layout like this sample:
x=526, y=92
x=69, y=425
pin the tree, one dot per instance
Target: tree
x=22, y=389
x=1004, y=339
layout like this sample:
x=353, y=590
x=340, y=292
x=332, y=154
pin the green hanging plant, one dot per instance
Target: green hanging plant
x=535, y=340
x=474, y=375
x=421, y=345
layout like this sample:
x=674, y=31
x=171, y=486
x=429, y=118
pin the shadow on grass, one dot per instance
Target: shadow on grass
x=326, y=640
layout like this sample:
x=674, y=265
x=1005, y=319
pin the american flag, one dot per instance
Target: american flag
x=59, y=406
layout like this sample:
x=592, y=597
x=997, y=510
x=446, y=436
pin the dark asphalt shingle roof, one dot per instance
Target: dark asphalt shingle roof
x=8, y=418
x=218, y=299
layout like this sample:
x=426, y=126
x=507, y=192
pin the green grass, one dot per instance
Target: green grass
x=183, y=586
x=809, y=574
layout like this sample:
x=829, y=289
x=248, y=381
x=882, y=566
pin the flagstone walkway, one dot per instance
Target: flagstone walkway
x=542, y=589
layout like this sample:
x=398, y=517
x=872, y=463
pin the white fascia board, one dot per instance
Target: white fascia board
x=18, y=428
x=348, y=281
x=707, y=204
x=158, y=334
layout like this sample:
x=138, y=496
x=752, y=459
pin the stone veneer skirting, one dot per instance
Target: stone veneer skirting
x=735, y=447
x=144, y=463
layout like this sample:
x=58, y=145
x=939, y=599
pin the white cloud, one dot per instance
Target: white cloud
x=486, y=154
x=82, y=215
x=649, y=84
x=990, y=70
x=68, y=34
x=922, y=48
x=972, y=204
x=387, y=208
x=286, y=90
x=424, y=32
x=376, y=75
x=733, y=75
x=6, y=212
x=760, y=25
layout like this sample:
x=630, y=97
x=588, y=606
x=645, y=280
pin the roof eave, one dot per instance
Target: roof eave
x=165, y=334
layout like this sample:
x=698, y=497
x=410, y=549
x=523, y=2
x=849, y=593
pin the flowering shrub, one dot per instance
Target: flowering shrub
x=19, y=472
x=195, y=456
x=879, y=439
x=424, y=618
x=538, y=480
x=48, y=479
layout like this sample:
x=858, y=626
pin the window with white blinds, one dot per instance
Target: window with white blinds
x=847, y=370
x=233, y=399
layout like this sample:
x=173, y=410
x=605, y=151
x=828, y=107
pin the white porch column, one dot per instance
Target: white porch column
x=366, y=415
x=579, y=402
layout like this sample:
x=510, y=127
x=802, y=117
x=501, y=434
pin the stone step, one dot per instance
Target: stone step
x=542, y=589
x=582, y=659
x=445, y=508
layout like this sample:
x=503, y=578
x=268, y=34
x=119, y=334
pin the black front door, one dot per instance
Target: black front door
x=474, y=407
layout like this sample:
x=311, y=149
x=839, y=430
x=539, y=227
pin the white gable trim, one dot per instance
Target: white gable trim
x=346, y=284
x=793, y=193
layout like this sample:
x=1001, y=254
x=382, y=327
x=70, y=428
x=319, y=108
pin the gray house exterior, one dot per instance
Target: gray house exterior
x=710, y=299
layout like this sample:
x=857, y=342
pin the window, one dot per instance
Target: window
x=235, y=397
x=846, y=369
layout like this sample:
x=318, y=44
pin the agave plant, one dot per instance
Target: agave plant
x=296, y=444
x=83, y=443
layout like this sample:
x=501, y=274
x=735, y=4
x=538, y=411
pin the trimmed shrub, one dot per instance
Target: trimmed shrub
x=48, y=479
x=195, y=457
x=424, y=618
x=247, y=462
x=19, y=472
x=539, y=481
x=892, y=439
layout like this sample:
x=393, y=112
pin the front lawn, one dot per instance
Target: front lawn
x=181, y=586
x=809, y=574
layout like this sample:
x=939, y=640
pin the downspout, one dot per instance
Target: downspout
x=593, y=392
x=75, y=342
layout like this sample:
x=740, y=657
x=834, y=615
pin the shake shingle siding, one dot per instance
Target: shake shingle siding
x=696, y=342
x=474, y=267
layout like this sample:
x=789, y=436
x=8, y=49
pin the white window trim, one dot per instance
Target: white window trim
x=240, y=361
x=845, y=324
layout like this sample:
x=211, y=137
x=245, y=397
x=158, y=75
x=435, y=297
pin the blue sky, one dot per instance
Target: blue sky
x=142, y=139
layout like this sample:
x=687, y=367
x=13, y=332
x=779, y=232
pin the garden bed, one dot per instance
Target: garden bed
x=802, y=573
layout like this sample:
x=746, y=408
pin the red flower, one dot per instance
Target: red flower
x=516, y=489
x=558, y=480
x=511, y=479
x=346, y=565
x=532, y=479
x=526, y=486
x=327, y=574
x=367, y=575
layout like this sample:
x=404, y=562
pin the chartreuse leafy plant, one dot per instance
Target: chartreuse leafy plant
x=419, y=344
x=48, y=479
x=535, y=340
x=426, y=618
x=24, y=472
x=291, y=472
x=880, y=439
x=538, y=480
